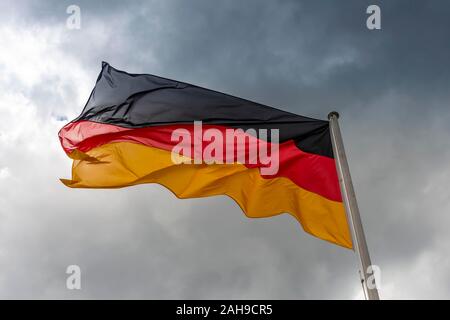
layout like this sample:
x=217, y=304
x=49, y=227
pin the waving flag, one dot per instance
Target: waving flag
x=132, y=123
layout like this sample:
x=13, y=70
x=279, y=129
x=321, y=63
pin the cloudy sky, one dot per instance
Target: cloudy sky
x=391, y=87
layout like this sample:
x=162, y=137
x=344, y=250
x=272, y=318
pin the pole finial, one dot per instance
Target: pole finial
x=333, y=114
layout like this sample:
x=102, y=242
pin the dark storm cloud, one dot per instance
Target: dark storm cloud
x=309, y=57
x=295, y=50
x=288, y=49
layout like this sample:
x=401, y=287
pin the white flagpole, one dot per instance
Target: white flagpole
x=351, y=206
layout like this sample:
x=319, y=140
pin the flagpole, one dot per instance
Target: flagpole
x=351, y=205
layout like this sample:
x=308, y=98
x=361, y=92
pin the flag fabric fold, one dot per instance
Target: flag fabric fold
x=124, y=137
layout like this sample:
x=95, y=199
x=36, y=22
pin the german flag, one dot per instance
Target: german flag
x=125, y=136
